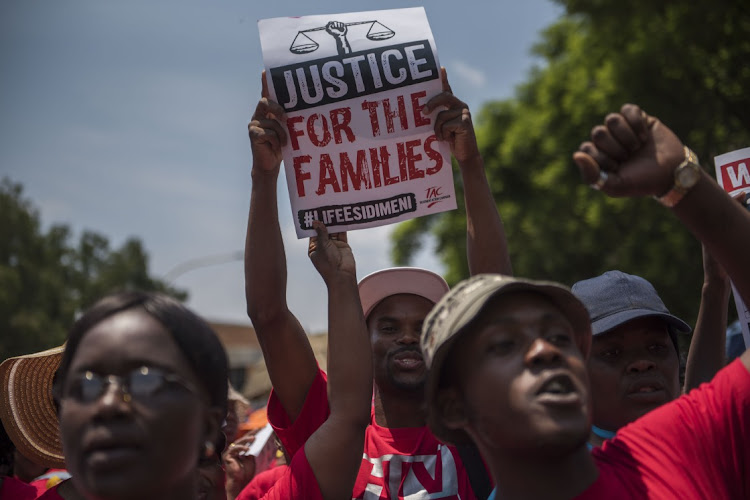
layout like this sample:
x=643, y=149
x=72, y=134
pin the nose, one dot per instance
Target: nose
x=115, y=398
x=542, y=352
x=640, y=366
x=410, y=335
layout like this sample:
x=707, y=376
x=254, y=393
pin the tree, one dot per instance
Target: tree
x=685, y=62
x=45, y=279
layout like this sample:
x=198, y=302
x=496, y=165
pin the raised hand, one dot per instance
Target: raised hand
x=330, y=254
x=267, y=134
x=336, y=28
x=631, y=154
x=454, y=123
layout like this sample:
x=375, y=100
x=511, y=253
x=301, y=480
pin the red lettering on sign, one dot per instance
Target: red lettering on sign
x=340, y=119
x=299, y=175
x=293, y=132
x=318, y=141
x=327, y=176
x=372, y=109
x=419, y=119
x=358, y=177
x=433, y=192
x=736, y=175
x=434, y=155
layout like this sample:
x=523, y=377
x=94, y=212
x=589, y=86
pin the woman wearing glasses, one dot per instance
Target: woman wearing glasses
x=142, y=393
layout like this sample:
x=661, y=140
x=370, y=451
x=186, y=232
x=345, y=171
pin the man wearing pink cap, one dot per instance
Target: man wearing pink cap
x=401, y=456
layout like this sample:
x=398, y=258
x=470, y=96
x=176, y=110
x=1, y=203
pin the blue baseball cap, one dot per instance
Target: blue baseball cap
x=615, y=298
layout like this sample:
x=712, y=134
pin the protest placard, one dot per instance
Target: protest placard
x=733, y=174
x=360, y=152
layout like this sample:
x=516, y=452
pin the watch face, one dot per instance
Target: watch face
x=687, y=176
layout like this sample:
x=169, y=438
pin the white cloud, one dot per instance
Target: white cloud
x=469, y=74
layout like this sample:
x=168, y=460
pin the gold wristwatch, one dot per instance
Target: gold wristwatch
x=686, y=175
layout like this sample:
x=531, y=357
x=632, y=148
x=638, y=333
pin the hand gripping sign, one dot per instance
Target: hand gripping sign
x=360, y=152
x=733, y=174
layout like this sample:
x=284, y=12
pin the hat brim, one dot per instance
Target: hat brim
x=561, y=296
x=27, y=408
x=379, y=285
x=612, y=321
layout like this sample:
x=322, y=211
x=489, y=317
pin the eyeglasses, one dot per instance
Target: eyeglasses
x=142, y=383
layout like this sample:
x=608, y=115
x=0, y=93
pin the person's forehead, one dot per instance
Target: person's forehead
x=127, y=338
x=506, y=313
x=518, y=306
x=634, y=330
x=401, y=306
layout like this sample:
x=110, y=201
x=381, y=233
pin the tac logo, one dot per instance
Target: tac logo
x=433, y=192
x=434, y=195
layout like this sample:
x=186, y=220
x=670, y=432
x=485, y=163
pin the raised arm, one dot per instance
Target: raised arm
x=334, y=451
x=281, y=337
x=486, y=245
x=634, y=154
x=708, y=346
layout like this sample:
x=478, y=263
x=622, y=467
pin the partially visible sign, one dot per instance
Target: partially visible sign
x=732, y=174
x=360, y=153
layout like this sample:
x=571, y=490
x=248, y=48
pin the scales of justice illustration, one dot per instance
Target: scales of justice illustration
x=304, y=44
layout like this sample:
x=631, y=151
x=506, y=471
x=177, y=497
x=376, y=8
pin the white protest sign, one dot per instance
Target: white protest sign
x=733, y=174
x=360, y=153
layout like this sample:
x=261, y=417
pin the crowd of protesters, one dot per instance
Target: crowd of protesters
x=502, y=387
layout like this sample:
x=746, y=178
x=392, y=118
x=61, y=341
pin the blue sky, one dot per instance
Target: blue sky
x=130, y=119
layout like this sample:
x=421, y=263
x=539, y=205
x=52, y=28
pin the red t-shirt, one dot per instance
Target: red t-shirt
x=296, y=481
x=696, y=447
x=261, y=483
x=396, y=463
x=50, y=494
x=12, y=488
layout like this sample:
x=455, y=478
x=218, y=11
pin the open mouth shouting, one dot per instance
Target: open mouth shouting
x=558, y=389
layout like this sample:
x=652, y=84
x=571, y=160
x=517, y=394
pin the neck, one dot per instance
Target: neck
x=598, y=435
x=518, y=476
x=400, y=408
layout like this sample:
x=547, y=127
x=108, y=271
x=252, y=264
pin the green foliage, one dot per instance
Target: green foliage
x=45, y=279
x=684, y=62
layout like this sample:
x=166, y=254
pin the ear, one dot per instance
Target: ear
x=213, y=419
x=451, y=408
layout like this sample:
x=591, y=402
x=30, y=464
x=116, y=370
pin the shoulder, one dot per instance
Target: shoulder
x=10, y=487
x=315, y=411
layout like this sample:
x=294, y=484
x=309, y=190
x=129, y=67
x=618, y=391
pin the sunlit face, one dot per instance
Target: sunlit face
x=521, y=378
x=395, y=325
x=145, y=447
x=633, y=369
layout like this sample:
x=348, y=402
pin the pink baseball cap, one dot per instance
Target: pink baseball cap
x=379, y=285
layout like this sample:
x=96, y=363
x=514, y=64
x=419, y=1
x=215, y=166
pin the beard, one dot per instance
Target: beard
x=405, y=380
x=411, y=384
